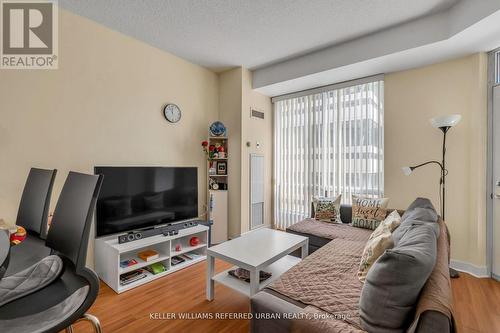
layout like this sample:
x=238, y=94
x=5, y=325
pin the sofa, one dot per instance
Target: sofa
x=323, y=292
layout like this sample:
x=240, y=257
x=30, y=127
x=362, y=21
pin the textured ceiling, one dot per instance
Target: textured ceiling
x=219, y=34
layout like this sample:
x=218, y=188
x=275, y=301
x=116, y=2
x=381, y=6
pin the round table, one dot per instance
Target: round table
x=4, y=251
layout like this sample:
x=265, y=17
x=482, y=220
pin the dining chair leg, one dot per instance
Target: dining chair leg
x=93, y=320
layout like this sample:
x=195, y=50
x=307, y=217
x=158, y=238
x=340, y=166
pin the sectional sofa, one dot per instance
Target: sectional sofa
x=323, y=292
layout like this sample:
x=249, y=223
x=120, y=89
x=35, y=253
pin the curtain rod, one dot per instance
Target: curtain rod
x=328, y=87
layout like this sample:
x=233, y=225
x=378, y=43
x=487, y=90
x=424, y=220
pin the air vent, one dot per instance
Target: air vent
x=256, y=114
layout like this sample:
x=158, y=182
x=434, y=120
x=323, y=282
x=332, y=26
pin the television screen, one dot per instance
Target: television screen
x=139, y=197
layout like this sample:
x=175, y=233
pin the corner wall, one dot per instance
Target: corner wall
x=413, y=97
x=236, y=100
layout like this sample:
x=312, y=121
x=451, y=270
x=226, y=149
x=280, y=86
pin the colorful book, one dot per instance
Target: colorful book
x=127, y=263
x=148, y=255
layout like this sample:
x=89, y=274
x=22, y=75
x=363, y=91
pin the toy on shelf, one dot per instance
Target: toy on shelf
x=193, y=241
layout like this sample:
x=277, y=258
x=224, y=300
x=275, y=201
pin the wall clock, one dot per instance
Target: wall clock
x=172, y=113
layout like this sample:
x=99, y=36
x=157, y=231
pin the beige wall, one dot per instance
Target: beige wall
x=255, y=130
x=101, y=107
x=236, y=100
x=230, y=93
x=413, y=97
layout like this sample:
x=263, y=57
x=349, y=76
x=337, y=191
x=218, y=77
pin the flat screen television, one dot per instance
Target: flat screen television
x=134, y=198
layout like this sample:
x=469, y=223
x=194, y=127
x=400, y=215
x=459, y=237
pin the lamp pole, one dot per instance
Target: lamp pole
x=443, y=173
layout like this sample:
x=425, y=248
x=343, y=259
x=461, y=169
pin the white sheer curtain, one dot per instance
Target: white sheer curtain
x=327, y=143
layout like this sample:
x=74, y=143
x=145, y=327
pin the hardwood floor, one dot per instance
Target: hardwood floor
x=477, y=305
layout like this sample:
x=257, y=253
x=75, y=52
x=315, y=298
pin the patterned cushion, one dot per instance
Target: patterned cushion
x=379, y=241
x=327, y=209
x=31, y=279
x=368, y=212
x=392, y=221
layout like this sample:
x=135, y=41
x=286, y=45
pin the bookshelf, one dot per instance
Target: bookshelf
x=218, y=187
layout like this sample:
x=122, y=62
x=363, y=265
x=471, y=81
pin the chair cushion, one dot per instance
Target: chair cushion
x=47, y=319
x=31, y=279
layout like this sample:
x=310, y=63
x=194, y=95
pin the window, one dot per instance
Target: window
x=326, y=143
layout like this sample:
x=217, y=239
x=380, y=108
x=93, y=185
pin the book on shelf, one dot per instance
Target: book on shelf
x=132, y=276
x=191, y=256
x=148, y=255
x=127, y=263
x=177, y=260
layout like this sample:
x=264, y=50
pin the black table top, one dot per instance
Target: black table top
x=4, y=250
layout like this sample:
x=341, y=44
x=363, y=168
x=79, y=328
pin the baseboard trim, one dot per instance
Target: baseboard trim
x=477, y=271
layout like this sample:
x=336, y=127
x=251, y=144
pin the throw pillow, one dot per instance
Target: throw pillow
x=327, y=209
x=368, y=212
x=380, y=240
x=394, y=281
x=392, y=221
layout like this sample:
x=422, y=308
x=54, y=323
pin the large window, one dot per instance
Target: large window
x=328, y=142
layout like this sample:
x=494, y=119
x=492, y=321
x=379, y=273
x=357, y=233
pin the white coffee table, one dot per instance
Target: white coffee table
x=259, y=250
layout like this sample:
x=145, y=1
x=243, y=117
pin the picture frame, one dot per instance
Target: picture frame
x=221, y=168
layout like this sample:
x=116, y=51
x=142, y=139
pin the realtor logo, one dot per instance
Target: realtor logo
x=29, y=34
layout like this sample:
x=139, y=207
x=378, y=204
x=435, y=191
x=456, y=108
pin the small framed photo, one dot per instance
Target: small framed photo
x=221, y=168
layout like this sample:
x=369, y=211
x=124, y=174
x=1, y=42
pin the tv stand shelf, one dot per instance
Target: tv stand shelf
x=109, y=253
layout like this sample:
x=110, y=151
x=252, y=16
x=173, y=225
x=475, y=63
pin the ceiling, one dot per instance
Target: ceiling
x=220, y=34
x=293, y=45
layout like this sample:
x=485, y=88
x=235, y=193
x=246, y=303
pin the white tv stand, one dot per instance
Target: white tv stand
x=108, y=254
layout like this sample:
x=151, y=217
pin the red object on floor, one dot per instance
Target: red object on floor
x=18, y=236
x=194, y=241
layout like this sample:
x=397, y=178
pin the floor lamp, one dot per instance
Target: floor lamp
x=444, y=123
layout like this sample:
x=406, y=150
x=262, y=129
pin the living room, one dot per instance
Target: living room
x=180, y=165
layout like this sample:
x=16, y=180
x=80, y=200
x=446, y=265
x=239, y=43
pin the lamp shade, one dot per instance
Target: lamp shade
x=407, y=170
x=446, y=121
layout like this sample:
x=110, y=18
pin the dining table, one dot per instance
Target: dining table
x=4, y=251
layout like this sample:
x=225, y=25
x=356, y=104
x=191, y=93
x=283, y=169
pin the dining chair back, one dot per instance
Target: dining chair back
x=33, y=209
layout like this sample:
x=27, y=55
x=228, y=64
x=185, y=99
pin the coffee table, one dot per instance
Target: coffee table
x=260, y=250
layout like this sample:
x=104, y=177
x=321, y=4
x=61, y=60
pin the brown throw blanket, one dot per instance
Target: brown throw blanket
x=327, y=280
x=331, y=230
x=437, y=294
x=327, y=283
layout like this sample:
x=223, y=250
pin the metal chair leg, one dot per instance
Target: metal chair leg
x=69, y=329
x=93, y=320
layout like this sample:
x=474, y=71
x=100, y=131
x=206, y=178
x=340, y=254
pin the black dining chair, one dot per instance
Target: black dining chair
x=32, y=214
x=64, y=301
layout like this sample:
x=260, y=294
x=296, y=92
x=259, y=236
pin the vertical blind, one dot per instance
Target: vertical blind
x=327, y=143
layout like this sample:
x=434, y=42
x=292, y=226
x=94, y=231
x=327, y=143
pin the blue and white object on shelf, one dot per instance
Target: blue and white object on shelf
x=217, y=129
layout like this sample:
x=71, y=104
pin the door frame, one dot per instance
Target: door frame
x=492, y=72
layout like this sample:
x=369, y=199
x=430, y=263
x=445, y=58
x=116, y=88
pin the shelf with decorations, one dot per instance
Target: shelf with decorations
x=216, y=150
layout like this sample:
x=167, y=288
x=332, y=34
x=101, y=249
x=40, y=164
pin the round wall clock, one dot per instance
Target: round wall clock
x=172, y=113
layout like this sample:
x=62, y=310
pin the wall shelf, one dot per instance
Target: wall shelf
x=218, y=198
